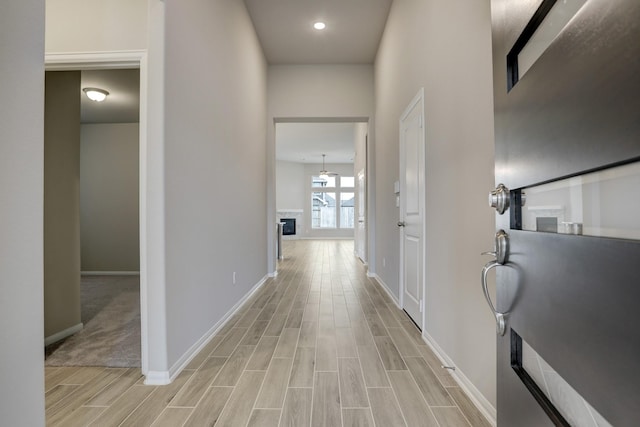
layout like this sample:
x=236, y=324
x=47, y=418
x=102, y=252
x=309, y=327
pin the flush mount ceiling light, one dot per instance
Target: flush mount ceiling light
x=95, y=94
x=319, y=25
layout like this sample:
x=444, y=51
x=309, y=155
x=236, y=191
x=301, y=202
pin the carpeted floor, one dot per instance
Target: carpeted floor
x=111, y=318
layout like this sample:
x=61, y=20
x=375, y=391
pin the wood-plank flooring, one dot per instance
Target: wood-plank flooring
x=319, y=345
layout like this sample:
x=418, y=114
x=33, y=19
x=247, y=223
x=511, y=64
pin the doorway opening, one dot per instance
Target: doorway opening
x=100, y=148
x=320, y=180
x=136, y=62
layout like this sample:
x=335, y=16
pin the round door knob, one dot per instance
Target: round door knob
x=499, y=198
x=401, y=224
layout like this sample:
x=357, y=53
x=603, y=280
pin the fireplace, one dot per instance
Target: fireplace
x=288, y=226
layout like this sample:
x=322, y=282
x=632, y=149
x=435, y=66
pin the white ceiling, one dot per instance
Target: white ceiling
x=307, y=142
x=285, y=29
x=123, y=103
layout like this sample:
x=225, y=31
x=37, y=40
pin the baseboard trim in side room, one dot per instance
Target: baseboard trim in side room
x=387, y=290
x=157, y=378
x=110, y=273
x=483, y=405
x=63, y=334
x=204, y=340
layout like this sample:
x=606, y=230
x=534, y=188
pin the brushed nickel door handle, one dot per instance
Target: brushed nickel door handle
x=501, y=325
x=501, y=252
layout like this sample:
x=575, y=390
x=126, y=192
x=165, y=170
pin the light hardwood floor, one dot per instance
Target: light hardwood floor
x=320, y=345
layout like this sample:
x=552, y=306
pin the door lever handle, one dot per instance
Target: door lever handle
x=401, y=224
x=501, y=245
x=501, y=325
x=501, y=252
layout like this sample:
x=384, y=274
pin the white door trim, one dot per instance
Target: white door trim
x=417, y=100
x=360, y=234
x=149, y=228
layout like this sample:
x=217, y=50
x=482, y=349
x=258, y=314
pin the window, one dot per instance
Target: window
x=347, y=209
x=323, y=210
x=547, y=22
x=322, y=181
x=347, y=181
x=326, y=195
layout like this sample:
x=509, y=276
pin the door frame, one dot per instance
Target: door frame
x=272, y=266
x=148, y=227
x=357, y=234
x=417, y=99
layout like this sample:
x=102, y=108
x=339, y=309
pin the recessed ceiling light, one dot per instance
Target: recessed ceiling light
x=319, y=25
x=95, y=94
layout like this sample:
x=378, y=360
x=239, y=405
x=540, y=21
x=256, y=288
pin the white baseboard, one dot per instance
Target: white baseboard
x=63, y=334
x=386, y=289
x=274, y=274
x=371, y=274
x=157, y=378
x=484, y=406
x=202, y=342
x=110, y=273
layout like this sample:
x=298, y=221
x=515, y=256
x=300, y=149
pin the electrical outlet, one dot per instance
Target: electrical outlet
x=234, y=277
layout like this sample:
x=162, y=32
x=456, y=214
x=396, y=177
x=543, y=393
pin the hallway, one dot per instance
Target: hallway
x=319, y=345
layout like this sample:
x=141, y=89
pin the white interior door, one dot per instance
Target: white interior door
x=411, y=222
x=361, y=233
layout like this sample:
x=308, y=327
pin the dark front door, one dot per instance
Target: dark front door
x=567, y=108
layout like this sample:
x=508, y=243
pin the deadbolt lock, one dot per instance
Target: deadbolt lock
x=499, y=198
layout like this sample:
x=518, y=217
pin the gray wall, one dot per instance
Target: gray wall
x=109, y=197
x=336, y=91
x=61, y=201
x=82, y=26
x=290, y=185
x=445, y=47
x=21, y=210
x=215, y=115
